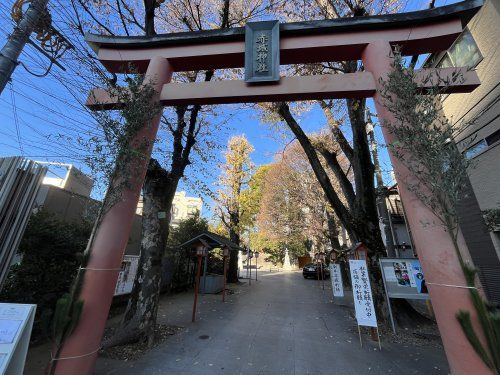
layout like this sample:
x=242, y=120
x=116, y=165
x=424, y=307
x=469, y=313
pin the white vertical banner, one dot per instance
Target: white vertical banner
x=336, y=277
x=362, y=292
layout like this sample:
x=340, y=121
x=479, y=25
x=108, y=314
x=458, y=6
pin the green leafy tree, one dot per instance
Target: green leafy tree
x=182, y=126
x=235, y=176
x=251, y=197
x=177, y=259
x=187, y=229
x=292, y=207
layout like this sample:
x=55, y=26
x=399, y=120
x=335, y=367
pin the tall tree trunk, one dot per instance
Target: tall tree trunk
x=366, y=218
x=361, y=222
x=234, y=236
x=149, y=17
x=139, y=321
x=341, y=211
x=333, y=231
x=382, y=194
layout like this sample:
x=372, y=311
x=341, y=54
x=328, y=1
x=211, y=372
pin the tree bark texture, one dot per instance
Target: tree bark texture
x=382, y=194
x=149, y=17
x=234, y=236
x=333, y=231
x=365, y=214
x=139, y=320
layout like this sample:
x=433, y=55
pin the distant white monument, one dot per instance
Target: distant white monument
x=286, y=264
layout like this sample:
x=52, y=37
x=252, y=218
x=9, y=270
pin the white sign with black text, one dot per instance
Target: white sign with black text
x=336, y=276
x=362, y=292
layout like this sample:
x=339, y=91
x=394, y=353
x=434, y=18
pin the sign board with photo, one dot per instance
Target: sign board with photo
x=403, y=278
x=16, y=322
x=362, y=293
x=336, y=278
x=126, y=276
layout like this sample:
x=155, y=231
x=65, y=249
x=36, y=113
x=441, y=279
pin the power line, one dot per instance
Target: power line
x=53, y=111
x=65, y=102
x=54, y=146
x=16, y=120
x=65, y=127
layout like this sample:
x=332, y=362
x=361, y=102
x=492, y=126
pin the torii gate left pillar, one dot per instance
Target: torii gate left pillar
x=80, y=350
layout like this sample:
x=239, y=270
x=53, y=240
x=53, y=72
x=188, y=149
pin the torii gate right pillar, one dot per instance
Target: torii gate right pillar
x=436, y=251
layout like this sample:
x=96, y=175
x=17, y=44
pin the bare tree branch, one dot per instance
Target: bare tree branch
x=337, y=133
x=345, y=184
x=342, y=212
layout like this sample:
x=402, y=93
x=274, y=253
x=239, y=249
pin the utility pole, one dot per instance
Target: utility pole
x=29, y=22
x=383, y=213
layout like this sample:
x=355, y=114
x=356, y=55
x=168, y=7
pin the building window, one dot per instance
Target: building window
x=475, y=150
x=482, y=145
x=175, y=212
x=464, y=52
x=445, y=62
x=493, y=138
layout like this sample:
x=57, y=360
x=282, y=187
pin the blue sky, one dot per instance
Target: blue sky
x=36, y=112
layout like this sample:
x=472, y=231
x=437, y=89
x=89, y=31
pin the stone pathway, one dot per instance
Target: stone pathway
x=282, y=324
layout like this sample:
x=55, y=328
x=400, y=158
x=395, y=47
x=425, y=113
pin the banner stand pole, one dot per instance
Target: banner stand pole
x=378, y=336
x=359, y=332
x=388, y=299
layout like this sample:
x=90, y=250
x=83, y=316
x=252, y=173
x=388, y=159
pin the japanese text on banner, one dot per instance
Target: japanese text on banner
x=362, y=292
x=336, y=277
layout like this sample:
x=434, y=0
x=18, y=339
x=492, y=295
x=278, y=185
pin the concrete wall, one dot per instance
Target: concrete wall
x=69, y=206
x=66, y=205
x=69, y=199
x=78, y=183
x=74, y=181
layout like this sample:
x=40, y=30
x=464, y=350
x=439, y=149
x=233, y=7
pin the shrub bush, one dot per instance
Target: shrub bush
x=50, y=253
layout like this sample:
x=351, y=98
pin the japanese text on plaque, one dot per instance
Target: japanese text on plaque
x=262, y=49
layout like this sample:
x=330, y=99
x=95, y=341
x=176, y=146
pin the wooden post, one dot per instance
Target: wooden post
x=225, y=281
x=196, y=287
x=318, y=271
x=322, y=276
x=249, y=266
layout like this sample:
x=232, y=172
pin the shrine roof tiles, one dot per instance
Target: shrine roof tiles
x=464, y=10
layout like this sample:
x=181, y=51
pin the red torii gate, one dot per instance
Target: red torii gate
x=370, y=39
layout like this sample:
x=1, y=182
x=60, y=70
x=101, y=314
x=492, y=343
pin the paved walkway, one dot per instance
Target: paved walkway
x=282, y=324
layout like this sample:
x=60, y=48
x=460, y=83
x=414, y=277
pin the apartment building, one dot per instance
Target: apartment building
x=476, y=118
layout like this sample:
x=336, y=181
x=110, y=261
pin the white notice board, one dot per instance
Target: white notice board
x=126, y=276
x=362, y=293
x=404, y=278
x=16, y=322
